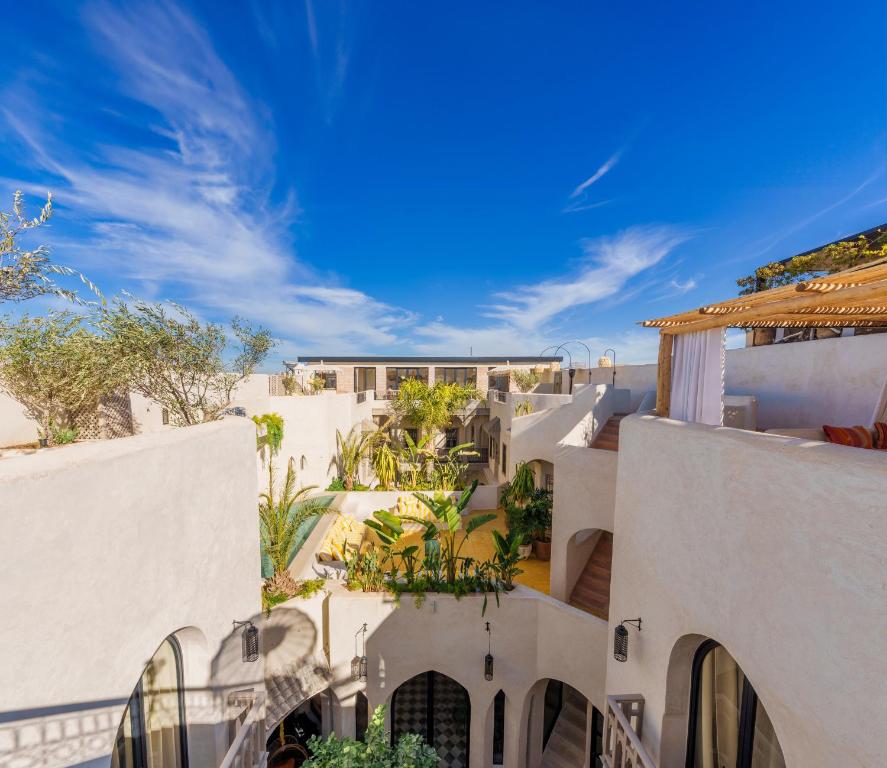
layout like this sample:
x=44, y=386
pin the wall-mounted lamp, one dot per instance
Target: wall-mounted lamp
x=620, y=639
x=488, y=659
x=249, y=640
x=359, y=665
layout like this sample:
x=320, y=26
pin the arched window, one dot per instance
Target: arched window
x=152, y=733
x=729, y=727
x=361, y=715
x=499, y=729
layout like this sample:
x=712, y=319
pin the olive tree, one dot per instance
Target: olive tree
x=177, y=361
x=55, y=366
x=25, y=274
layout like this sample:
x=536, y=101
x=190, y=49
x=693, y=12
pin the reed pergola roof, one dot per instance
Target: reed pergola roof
x=854, y=298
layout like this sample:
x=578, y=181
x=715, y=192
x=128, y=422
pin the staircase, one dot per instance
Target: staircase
x=592, y=590
x=608, y=438
x=566, y=745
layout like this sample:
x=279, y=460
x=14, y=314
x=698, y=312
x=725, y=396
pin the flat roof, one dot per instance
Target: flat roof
x=378, y=359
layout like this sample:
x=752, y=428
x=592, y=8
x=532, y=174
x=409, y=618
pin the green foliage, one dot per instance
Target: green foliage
x=826, y=261
x=290, y=385
x=352, y=448
x=385, y=464
x=376, y=751
x=523, y=484
x=525, y=380
x=430, y=408
x=310, y=587
x=316, y=385
x=336, y=484
x=448, y=520
x=507, y=557
x=55, y=367
x=177, y=361
x=414, y=458
x=447, y=472
x=62, y=435
x=537, y=514
x=26, y=274
x=281, y=511
x=269, y=435
x=523, y=408
x=270, y=599
x=441, y=568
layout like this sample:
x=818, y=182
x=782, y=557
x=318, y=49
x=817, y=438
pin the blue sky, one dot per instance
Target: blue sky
x=437, y=178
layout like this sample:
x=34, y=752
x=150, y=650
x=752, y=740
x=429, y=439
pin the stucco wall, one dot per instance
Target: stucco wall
x=776, y=548
x=106, y=548
x=829, y=381
x=533, y=637
x=16, y=427
x=584, y=499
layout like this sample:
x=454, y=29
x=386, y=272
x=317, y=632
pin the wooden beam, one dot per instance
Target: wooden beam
x=876, y=292
x=663, y=375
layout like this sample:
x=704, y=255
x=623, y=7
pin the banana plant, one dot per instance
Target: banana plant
x=447, y=521
x=448, y=469
x=389, y=529
x=506, y=558
x=415, y=456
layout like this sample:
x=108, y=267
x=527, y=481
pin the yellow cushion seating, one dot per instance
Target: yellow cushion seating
x=345, y=536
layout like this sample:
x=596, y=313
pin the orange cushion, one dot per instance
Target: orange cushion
x=881, y=435
x=856, y=437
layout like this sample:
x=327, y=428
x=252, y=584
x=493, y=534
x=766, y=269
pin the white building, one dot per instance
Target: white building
x=746, y=570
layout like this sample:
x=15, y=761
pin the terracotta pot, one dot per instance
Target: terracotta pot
x=542, y=549
x=524, y=550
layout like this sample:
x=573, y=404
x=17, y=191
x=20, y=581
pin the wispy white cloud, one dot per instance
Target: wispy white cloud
x=188, y=211
x=598, y=174
x=524, y=319
x=678, y=288
x=578, y=196
x=608, y=264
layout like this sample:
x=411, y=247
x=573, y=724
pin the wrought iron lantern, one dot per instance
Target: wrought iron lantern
x=359, y=664
x=620, y=638
x=488, y=659
x=249, y=640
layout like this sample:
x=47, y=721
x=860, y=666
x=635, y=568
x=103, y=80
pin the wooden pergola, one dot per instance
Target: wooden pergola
x=854, y=298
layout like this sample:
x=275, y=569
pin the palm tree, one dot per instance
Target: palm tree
x=352, y=450
x=281, y=512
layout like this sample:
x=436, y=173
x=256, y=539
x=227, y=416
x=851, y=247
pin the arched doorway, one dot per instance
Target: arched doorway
x=311, y=718
x=728, y=725
x=153, y=730
x=561, y=729
x=438, y=709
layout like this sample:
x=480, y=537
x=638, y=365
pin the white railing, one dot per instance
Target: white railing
x=622, y=733
x=247, y=748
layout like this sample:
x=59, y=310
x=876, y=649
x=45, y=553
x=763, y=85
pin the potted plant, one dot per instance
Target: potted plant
x=537, y=518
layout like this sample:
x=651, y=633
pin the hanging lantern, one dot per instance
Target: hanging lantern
x=488, y=659
x=360, y=664
x=620, y=639
x=249, y=640
x=620, y=643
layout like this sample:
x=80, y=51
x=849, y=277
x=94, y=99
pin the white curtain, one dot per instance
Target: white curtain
x=697, y=385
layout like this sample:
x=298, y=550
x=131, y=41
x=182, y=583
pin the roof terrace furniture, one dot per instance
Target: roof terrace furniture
x=854, y=298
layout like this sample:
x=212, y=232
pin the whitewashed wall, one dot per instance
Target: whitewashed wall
x=777, y=549
x=106, y=548
x=534, y=637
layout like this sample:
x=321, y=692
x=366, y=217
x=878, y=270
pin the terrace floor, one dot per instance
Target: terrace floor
x=480, y=546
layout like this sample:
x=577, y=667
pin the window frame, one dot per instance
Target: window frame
x=464, y=376
x=748, y=706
